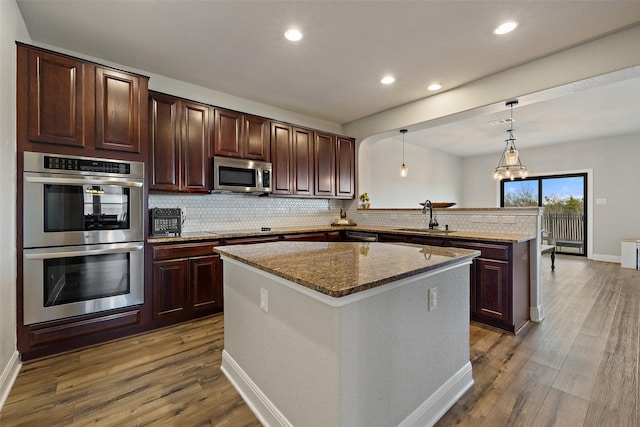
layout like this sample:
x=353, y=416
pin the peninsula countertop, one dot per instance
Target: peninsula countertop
x=454, y=234
x=338, y=269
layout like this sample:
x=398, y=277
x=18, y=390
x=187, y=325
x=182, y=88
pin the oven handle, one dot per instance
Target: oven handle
x=82, y=181
x=66, y=253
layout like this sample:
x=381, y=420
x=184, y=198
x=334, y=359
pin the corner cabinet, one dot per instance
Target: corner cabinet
x=345, y=167
x=308, y=163
x=70, y=106
x=180, y=148
x=186, y=281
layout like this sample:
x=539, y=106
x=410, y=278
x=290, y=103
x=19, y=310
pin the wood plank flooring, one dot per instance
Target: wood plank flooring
x=579, y=367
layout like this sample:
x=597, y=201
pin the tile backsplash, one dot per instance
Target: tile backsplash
x=213, y=212
x=523, y=220
x=221, y=212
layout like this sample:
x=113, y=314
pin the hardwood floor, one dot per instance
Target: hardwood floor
x=579, y=367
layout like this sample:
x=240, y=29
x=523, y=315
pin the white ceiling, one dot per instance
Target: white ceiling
x=334, y=73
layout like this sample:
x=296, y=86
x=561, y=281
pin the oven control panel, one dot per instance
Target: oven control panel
x=86, y=165
x=165, y=221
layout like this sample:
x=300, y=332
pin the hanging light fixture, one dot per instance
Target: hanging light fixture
x=403, y=170
x=510, y=165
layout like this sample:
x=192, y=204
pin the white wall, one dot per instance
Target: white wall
x=12, y=28
x=432, y=174
x=614, y=162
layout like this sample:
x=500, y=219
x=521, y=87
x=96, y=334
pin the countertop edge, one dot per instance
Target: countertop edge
x=457, y=234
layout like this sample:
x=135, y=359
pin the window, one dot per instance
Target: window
x=564, y=200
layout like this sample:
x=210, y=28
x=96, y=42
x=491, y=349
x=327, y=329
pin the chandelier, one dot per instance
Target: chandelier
x=510, y=165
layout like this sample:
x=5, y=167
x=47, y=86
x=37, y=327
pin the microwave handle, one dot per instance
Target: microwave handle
x=64, y=253
x=81, y=181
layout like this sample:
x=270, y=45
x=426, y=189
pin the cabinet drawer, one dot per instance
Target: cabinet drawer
x=79, y=328
x=183, y=250
x=488, y=250
x=250, y=240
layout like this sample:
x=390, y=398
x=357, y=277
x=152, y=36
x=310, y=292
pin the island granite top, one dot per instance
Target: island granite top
x=338, y=269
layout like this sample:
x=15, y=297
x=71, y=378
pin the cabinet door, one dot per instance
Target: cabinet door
x=228, y=125
x=492, y=289
x=196, y=147
x=302, y=151
x=255, y=138
x=345, y=167
x=325, y=164
x=206, y=283
x=56, y=99
x=281, y=137
x=117, y=104
x=165, y=143
x=170, y=288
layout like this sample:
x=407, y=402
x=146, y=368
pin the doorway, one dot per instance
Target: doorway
x=564, y=221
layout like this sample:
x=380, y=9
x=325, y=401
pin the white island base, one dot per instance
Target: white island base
x=378, y=357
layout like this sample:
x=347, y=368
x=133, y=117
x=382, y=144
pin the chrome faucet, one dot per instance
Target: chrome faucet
x=432, y=222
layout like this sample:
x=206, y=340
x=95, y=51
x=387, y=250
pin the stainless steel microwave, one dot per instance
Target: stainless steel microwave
x=241, y=175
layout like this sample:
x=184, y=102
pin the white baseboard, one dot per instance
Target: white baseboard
x=8, y=377
x=432, y=409
x=427, y=414
x=607, y=258
x=258, y=402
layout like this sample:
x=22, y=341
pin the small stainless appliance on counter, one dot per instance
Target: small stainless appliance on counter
x=165, y=221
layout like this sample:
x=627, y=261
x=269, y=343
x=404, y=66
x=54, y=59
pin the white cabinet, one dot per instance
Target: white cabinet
x=630, y=249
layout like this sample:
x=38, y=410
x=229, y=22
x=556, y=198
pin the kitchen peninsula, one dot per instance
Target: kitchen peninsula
x=347, y=333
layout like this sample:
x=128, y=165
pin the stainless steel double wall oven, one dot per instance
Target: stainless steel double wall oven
x=83, y=235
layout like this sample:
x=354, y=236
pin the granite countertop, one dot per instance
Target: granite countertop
x=338, y=269
x=454, y=234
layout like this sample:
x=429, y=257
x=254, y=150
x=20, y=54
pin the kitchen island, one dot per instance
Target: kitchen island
x=347, y=333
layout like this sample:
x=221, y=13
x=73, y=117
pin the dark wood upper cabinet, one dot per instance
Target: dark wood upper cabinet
x=196, y=147
x=228, y=125
x=302, y=152
x=325, y=164
x=69, y=106
x=165, y=137
x=56, y=110
x=180, y=144
x=281, y=157
x=255, y=138
x=345, y=167
x=118, y=123
x=241, y=135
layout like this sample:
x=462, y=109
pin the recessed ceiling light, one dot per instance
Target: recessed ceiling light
x=387, y=80
x=505, y=28
x=435, y=86
x=293, y=35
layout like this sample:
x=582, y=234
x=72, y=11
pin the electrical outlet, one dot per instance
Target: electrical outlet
x=433, y=298
x=264, y=300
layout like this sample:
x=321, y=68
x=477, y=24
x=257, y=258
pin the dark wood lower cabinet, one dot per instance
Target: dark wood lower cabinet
x=186, y=281
x=499, y=279
x=499, y=283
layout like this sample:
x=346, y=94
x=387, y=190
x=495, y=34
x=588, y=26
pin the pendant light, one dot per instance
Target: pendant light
x=403, y=170
x=510, y=165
